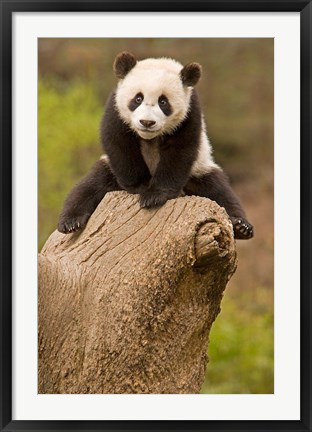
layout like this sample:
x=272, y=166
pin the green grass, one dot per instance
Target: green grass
x=240, y=350
x=68, y=144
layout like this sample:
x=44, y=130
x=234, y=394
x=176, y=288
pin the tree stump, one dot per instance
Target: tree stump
x=126, y=305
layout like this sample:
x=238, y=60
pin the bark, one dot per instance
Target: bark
x=126, y=305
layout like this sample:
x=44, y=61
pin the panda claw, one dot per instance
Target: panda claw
x=152, y=198
x=243, y=230
x=72, y=225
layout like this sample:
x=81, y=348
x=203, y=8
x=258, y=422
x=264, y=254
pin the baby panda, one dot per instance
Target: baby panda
x=155, y=143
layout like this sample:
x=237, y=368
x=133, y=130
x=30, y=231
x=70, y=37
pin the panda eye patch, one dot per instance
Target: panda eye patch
x=135, y=102
x=164, y=105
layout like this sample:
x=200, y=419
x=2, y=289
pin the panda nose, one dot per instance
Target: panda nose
x=147, y=123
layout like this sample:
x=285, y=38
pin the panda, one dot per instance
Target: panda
x=155, y=143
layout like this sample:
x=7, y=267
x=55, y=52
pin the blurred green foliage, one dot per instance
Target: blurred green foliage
x=241, y=351
x=236, y=91
x=68, y=132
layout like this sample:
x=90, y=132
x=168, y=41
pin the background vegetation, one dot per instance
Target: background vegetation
x=75, y=78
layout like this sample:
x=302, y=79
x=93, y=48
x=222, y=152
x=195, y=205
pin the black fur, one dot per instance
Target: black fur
x=123, y=64
x=134, y=103
x=164, y=105
x=173, y=171
x=216, y=186
x=190, y=74
x=85, y=197
x=122, y=147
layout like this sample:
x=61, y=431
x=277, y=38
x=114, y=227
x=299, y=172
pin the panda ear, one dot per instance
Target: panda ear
x=123, y=64
x=190, y=74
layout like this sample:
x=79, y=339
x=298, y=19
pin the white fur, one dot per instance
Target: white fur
x=204, y=161
x=153, y=78
x=149, y=111
x=104, y=158
x=150, y=153
x=203, y=164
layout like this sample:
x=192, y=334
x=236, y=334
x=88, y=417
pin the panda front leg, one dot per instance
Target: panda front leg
x=85, y=197
x=215, y=185
x=168, y=180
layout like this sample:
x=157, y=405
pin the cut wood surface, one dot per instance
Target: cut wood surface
x=126, y=305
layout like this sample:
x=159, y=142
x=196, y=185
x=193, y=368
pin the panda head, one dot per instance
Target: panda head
x=153, y=95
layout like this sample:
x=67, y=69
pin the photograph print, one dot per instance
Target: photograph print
x=156, y=197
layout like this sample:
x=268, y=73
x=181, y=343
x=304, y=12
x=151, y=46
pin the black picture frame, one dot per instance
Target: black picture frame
x=7, y=10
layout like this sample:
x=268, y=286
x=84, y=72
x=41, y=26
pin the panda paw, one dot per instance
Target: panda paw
x=151, y=198
x=68, y=225
x=243, y=230
x=137, y=189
